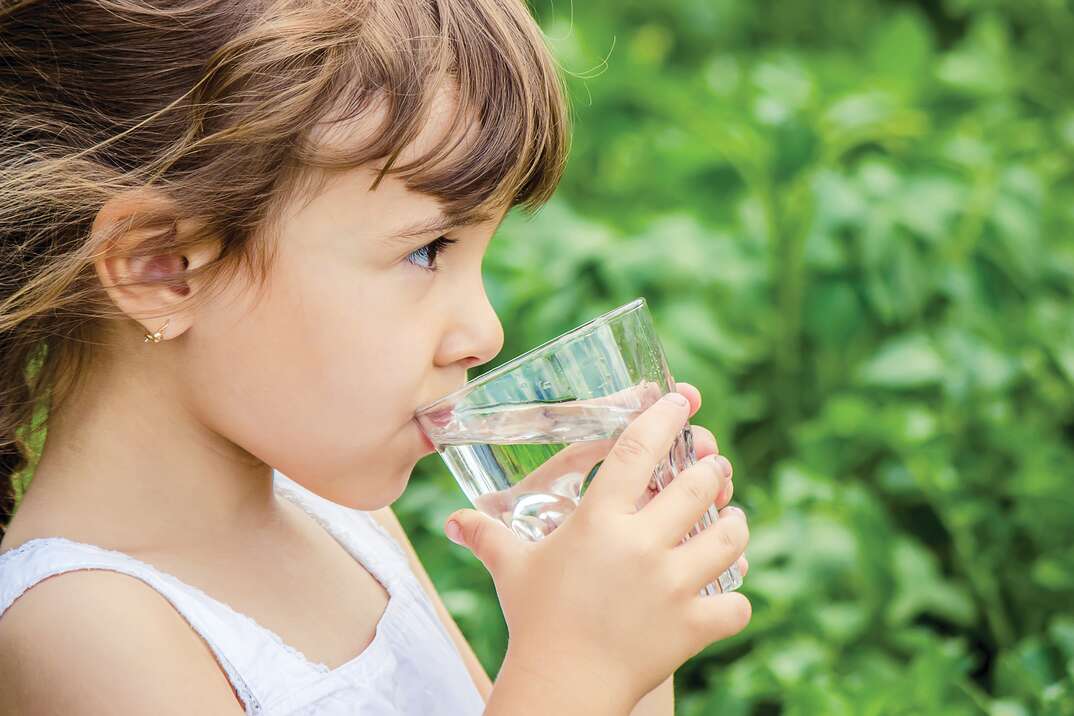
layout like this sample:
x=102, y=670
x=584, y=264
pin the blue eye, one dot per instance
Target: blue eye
x=430, y=252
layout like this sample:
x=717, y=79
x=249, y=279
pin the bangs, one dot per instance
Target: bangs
x=503, y=139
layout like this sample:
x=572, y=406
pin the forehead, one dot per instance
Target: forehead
x=441, y=139
x=441, y=130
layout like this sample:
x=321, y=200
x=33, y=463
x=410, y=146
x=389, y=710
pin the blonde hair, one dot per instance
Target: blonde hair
x=212, y=102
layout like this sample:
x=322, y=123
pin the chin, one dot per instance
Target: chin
x=399, y=486
x=369, y=495
x=392, y=490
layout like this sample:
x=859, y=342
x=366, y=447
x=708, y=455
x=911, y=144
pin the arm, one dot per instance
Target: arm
x=390, y=522
x=92, y=642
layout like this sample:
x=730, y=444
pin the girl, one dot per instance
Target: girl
x=241, y=242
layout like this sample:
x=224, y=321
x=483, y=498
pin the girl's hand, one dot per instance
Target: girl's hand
x=578, y=459
x=609, y=601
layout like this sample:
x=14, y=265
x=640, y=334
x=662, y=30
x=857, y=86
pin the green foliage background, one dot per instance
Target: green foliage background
x=852, y=221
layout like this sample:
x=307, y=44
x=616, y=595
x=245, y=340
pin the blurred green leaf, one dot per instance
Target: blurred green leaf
x=852, y=223
x=904, y=362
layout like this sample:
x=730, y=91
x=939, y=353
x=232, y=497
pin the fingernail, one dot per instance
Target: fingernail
x=725, y=465
x=736, y=509
x=454, y=532
x=677, y=399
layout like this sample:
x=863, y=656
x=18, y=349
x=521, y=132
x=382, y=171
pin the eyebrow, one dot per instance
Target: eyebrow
x=436, y=224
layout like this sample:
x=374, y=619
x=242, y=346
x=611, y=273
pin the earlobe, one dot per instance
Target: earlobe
x=158, y=335
x=139, y=266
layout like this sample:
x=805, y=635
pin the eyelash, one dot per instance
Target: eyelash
x=436, y=247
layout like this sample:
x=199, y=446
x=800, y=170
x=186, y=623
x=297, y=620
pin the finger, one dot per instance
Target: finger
x=743, y=565
x=562, y=474
x=726, y=492
x=714, y=549
x=719, y=616
x=494, y=503
x=624, y=475
x=574, y=460
x=693, y=491
x=692, y=394
x=490, y=540
x=704, y=442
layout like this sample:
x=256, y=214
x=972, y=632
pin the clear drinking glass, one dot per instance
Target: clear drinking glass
x=525, y=439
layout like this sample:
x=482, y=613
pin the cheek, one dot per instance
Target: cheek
x=318, y=378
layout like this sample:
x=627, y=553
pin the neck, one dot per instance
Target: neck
x=129, y=463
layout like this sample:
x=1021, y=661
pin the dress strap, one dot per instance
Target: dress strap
x=355, y=529
x=365, y=538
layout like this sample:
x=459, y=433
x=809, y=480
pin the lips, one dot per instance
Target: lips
x=424, y=437
x=439, y=418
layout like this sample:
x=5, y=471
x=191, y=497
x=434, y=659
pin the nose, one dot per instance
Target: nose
x=475, y=336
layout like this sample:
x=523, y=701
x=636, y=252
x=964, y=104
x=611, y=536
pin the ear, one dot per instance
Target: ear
x=151, y=287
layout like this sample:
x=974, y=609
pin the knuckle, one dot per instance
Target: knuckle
x=478, y=542
x=647, y=547
x=699, y=488
x=476, y=535
x=631, y=448
x=727, y=540
x=681, y=582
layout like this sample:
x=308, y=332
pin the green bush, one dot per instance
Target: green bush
x=853, y=224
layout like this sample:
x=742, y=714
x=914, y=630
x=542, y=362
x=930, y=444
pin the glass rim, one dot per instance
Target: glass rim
x=548, y=345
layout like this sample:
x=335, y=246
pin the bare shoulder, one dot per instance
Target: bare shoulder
x=101, y=642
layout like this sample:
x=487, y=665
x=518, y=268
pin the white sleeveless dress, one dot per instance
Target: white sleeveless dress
x=411, y=667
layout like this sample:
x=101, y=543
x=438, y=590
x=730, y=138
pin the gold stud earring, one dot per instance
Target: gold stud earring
x=158, y=336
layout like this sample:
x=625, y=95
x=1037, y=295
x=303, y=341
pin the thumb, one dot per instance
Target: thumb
x=489, y=539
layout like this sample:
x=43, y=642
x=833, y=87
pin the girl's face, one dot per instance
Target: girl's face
x=361, y=322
